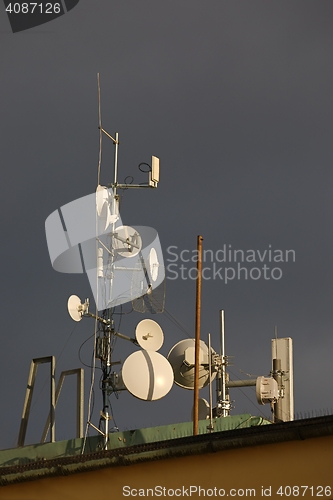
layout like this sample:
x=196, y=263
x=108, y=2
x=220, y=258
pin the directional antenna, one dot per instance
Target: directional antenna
x=75, y=308
x=149, y=335
x=147, y=375
x=181, y=358
x=127, y=241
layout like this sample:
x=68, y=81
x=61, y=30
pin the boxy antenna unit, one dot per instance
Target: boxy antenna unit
x=154, y=175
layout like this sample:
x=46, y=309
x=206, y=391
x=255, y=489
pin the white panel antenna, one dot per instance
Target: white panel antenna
x=155, y=171
x=282, y=348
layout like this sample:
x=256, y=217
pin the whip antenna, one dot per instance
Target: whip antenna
x=100, y=130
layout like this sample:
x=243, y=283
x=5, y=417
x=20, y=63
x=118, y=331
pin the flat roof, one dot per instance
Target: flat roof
x=244, y=435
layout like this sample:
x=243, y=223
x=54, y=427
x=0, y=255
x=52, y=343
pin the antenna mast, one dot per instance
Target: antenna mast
x=115, y=238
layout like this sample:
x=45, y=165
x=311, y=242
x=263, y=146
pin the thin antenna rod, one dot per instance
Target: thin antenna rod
x=210, y=427
x=100, y=131
x=224, y=403
x=197, y=339
x=115, y=164
x=225, y=412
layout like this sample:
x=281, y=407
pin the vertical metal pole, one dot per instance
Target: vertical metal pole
x=80, y=403
x=53, y=402
x=100, y=130
x=210, y=427
x=27, y=402
x=115, y=165
x=105, y=387
x=222, y=350
x=197, y=338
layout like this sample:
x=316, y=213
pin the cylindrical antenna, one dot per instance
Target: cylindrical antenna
x=197, y=338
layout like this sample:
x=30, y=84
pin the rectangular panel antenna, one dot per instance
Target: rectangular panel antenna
x=282, y=348
x=155, y=169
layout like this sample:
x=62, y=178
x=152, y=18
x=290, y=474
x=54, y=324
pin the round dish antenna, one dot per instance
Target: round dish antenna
x=153, y=264
x=149, y=335
x=127, y=241
x=147, y=375
x=75, y=307
x=181, y=358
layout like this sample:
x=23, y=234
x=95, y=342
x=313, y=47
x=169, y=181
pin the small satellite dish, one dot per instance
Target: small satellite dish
x=127, y=241
x=147, y=375
x=75, y=308
x=149, y=335
x=181, y=358
x=203, y=407
x=153, y=264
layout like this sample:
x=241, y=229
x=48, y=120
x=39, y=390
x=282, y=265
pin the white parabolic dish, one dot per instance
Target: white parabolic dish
x=153, y=264
x=149, y=335
x=147, y=375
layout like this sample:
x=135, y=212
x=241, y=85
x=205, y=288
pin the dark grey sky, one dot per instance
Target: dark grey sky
x=236, y=100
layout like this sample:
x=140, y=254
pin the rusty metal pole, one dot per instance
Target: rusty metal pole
x=197, y=338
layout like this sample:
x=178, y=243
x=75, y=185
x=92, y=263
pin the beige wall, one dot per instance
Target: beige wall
x=298, y=463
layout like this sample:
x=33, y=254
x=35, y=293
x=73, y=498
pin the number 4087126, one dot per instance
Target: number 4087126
x=301, y=491
x=34, y=8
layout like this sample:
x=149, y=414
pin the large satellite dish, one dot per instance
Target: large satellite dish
x=181, y=358
x=127, y=241
x=149, y=335
x=147, y=375
x=75, y=308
